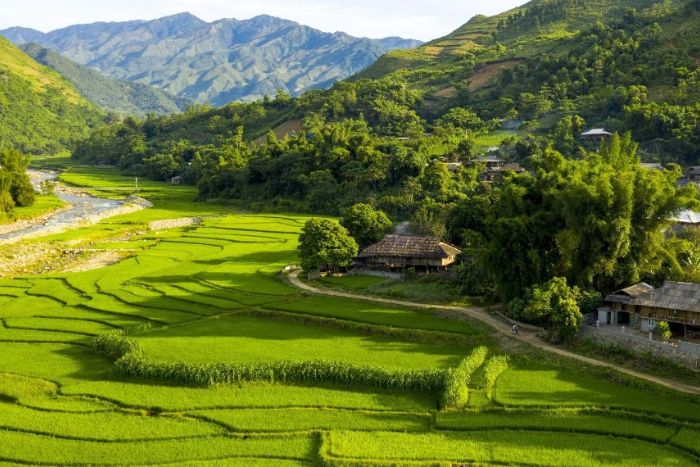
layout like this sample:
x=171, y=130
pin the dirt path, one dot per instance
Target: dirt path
x=505, y=328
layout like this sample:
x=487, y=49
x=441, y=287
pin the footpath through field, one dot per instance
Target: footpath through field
x=503, y=327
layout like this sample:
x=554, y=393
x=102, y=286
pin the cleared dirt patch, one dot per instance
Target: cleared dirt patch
x=282, y=130
x=449, y=92
x=488, y=73
x=96, y=260
x=174, y=223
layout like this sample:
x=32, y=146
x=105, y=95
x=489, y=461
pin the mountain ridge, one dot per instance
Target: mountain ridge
x=40, y=111
x=214, y=62
x=113, y=95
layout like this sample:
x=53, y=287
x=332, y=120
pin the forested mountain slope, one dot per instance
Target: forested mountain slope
x=217, y=62
x=39, y=110
x=116, y=95
x=623, y=64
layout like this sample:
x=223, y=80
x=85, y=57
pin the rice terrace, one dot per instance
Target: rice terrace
x=330, y=233
x=195, y=349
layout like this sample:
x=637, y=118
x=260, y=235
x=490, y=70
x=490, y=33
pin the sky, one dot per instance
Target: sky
x=415, y=19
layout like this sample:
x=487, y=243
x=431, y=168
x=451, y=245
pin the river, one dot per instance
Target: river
x=83, y=209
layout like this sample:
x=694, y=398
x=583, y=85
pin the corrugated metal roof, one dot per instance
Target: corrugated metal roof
x=628, y=294
x=596, y=132
x=683, y=296
x=688, y=217
x=410, y=246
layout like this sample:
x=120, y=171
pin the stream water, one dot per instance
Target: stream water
x=83, y=208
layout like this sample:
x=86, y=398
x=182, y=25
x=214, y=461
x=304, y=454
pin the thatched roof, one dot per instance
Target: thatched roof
x=410, y=246
x=682, y=296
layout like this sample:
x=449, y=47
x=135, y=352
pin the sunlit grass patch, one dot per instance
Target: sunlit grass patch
x=502, y=447
x=293, y=419
x=247, y=339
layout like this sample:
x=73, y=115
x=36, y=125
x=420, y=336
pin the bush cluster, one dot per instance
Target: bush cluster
x=493, y=369
x=117, y=345
x=456, y=392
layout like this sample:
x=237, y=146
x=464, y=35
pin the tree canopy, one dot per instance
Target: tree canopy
x=325, y=244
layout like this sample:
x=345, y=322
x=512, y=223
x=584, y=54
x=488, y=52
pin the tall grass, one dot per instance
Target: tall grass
x=492, y=370
x=131, y=361
x=456, y=393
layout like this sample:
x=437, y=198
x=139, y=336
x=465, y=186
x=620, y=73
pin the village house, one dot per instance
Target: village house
x=497, y=173
x=642, y=306
x=686, y=220
x=595, y=134
x=490, y=162
x=691, y=176
x=400, y=252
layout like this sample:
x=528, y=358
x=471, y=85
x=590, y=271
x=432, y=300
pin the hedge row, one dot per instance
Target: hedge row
x=456, y=392
x=492, y=370
x=131, y=361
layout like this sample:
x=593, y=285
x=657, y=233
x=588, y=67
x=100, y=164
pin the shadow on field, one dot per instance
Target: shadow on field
x=265, y=258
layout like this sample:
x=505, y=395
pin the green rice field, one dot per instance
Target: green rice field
x=194, y=350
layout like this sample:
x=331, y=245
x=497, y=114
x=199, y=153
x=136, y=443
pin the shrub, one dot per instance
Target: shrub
x=116, y=345
x=456, y=392
x=663, y=330
x=493, y=369
x=553, y=305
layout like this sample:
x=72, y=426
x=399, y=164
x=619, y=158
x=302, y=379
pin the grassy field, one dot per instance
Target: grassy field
x=420, y=289
x=208, y=299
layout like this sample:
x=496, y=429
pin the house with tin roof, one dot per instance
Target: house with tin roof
x=642, y=307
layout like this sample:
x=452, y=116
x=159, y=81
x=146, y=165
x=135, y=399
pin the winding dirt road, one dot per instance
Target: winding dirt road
x=501, y=326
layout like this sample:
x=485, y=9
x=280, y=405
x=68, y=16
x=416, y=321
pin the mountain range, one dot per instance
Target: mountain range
x=214, y=62
x=116, y=95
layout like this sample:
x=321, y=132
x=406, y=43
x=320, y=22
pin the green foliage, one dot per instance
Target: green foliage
x=456, y=392
x=39, y=110
x=553, y=305
x=325, y=243
x=494, y=367
x=663, y=331
x=365, y=224
x=15, y=186
x=598, y=221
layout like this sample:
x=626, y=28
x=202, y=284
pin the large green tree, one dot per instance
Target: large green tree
x=15, y=185
x=325, y=244
x=366, y=224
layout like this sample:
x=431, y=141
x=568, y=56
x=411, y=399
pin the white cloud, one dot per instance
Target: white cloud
x=421, y=19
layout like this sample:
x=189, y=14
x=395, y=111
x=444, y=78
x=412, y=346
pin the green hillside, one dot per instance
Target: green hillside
x=112, y=94
x=39, y=110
